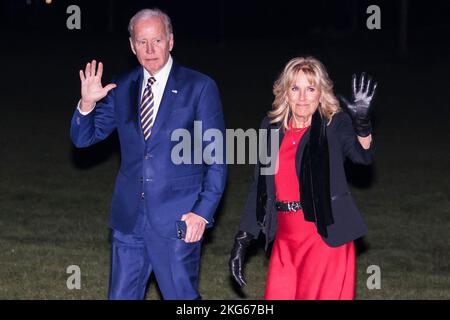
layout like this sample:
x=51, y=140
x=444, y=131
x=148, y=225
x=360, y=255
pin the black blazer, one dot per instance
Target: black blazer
x=260, y=213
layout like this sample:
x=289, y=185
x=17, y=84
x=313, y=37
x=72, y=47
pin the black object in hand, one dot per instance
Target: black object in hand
x=181, y=229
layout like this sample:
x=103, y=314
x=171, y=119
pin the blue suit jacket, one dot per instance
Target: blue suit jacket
x=147, y=173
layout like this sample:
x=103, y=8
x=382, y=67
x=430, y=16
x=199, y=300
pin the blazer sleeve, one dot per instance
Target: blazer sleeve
x=350, y=145
x=86, y=130
x=249, y=221
x=209, y=112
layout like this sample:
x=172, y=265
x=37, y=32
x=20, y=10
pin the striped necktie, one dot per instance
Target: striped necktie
x=147, y=111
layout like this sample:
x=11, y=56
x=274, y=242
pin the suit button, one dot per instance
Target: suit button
x=141, y=179
x=142, y=195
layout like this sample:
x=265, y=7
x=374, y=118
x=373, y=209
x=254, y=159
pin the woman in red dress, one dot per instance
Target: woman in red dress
x=305, y=205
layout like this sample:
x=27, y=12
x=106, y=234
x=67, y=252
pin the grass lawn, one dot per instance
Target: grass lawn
x=54, y=200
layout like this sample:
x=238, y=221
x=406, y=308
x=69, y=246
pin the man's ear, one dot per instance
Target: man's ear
x=132, y=45
x=171, y=42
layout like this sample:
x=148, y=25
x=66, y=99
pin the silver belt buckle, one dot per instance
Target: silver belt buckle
x=293, y=206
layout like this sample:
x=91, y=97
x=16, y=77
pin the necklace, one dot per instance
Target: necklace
x=291, y=134
x=292, y=131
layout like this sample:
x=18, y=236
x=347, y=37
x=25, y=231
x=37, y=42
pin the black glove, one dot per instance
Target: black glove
x=241, y=243
x=359, y=107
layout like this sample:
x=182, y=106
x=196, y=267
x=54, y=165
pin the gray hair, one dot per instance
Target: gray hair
x=148, y=14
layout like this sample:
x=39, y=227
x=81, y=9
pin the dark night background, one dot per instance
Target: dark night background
x=54, y=198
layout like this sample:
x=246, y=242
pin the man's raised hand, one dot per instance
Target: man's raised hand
x=91, y=85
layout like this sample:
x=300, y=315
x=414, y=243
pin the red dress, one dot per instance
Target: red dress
x=302, y=266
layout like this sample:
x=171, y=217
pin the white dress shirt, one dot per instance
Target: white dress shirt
x=158, y=87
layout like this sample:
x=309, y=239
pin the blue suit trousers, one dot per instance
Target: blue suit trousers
x=136, y=255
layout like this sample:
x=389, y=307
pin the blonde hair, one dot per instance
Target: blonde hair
x=316, y=73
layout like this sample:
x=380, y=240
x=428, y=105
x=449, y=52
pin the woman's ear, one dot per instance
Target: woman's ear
x=321, y=102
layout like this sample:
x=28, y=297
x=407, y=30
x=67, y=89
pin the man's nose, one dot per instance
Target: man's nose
x=150, y=48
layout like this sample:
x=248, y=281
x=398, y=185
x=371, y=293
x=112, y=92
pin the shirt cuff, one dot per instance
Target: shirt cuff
x=205, y=220
x=84, y=112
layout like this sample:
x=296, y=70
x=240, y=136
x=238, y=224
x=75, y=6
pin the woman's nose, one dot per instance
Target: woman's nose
x=301, y=95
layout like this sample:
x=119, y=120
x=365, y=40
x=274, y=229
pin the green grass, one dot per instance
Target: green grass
x=54, y=201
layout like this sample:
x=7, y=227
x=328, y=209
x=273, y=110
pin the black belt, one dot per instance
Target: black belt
x=292, y=206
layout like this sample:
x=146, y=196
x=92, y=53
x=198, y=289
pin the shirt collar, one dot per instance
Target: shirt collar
x=162, y=75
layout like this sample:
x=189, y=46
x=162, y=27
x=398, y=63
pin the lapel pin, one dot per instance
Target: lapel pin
x=175, y=91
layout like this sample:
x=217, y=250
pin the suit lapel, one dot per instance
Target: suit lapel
x=135, y=94
x=301, y=147
x=271, y=178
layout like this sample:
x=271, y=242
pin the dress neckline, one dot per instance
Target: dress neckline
x=296, y=130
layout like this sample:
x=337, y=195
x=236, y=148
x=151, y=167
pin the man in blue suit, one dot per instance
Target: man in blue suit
x=152, y=193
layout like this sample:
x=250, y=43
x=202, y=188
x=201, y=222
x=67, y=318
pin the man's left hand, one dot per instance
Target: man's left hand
x=195, y=226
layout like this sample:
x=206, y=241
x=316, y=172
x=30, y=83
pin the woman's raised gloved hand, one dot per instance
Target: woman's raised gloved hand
x=363, y=92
